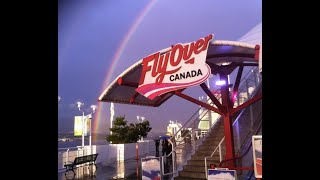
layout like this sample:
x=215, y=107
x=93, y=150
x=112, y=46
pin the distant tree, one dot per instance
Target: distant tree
x=123, y=133
x=119, y=128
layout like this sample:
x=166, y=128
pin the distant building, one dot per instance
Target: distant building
x=207, y=117
x=174, y=128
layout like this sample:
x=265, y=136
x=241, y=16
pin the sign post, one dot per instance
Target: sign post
x=257, y=155
x=150, y=167
x=222, y=173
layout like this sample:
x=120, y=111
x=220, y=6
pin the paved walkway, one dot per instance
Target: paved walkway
x=129, y=169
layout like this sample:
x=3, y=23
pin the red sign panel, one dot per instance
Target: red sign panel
x=182, y=66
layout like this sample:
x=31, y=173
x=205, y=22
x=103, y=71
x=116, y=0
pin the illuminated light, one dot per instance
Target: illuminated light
x=79, y=105
x=221, y=82
x=93, y=107
x=225, y=63
x=234, y=96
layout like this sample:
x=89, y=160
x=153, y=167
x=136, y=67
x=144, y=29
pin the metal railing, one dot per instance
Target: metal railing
x=173, y=154
x=248, y=147
x=251, y=76
x=218, y=148
x=196, y=117
x=70, y=153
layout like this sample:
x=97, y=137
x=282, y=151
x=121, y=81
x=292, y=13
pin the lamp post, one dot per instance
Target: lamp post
x=93, y=107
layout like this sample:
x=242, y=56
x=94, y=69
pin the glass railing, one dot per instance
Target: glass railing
x=243, y=129
x=244, y=159
x=247, y=88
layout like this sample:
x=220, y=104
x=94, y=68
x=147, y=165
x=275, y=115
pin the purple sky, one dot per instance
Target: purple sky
x=90, y=32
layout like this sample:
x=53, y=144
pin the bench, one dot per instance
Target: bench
x=80, y=160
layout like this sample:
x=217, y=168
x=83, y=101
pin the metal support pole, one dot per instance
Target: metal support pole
x=256, y=78
x=251, y=118
x=173, y=156
x=247, y=87
x=225, y=96
x=220, y=153
x=82, y=129
x=90, y=138
x=229, y=139
x=137, y=151
x=229, y=82
x=250, y=108
x=193, y=139
x=238, y=98
x=67, y=156
x=238, y=137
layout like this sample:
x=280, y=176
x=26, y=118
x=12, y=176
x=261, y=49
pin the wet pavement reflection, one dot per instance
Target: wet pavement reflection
x=128, y=169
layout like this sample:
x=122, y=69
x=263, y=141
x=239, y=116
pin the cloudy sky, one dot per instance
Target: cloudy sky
x=100, y=39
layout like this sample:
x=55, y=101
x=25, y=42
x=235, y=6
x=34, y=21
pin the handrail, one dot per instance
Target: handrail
x=193, y=125
x=205, y=112
x=205, y=159
x=172, y=153
x=247, y=150
x=76, y=149
x=219, y=148
x=244, y=139
x=245, y=78
x=252, y=172
x=68, y=148
x=197, y=111
x=173, y=162
x=174, y=147
x=224, y=137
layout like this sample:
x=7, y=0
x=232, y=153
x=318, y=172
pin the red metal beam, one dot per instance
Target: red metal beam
x=133, y=97
x=121, y=82
x=257, y=51
x=227, y=121
x=212, y=97
x=231, y=55
x=228, y=133
x=236, y=64
x=246, y=104
x=236, y=85
x=234, y=168
x=191, y=99
x=160, y=98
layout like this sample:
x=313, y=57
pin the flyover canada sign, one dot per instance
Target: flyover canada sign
x=182, y=66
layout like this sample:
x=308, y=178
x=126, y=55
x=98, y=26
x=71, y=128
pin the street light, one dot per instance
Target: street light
x=220, y=82
x=93, y=107
x=140, y=119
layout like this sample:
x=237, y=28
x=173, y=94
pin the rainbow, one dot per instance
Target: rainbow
x=97, y=116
